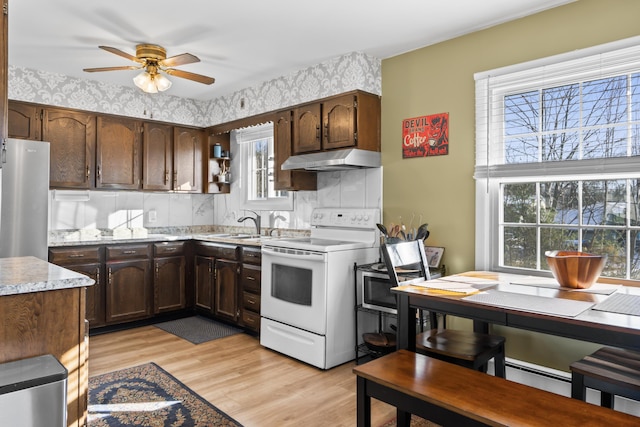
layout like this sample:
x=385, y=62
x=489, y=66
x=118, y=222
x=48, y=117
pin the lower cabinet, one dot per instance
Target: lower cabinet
x=169, y=280
x=250, y=278
x=204, y=283
x=128, y=290
x=88, y=261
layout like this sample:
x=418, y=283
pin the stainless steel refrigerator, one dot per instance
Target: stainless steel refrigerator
x=24, y=201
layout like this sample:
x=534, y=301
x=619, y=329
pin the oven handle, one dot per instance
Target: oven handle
x=307, y=256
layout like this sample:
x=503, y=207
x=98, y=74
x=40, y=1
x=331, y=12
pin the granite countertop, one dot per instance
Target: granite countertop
x=21, y=275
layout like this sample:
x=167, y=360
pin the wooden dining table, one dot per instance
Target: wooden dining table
x=516, y=301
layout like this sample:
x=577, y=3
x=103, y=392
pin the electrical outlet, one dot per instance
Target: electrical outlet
x=153, y=215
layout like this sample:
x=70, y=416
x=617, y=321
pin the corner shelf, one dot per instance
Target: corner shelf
x=217, y=164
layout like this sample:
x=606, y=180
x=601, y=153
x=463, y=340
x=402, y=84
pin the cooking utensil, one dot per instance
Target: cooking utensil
x=422, y=232
x=383, y=230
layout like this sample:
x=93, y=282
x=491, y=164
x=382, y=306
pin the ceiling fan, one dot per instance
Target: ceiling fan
x=152, y=60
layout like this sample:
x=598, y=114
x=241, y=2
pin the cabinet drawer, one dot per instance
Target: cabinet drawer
x=250, y=278
x=127, y=252
x=251, y=256
x=218, y=250
x=251, y=320
x=168, y=248
x=80, y=255
x=251, y=302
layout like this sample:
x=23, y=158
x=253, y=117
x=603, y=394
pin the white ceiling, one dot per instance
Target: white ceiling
x=240, y=43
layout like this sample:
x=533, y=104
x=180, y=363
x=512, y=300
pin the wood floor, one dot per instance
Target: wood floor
x=256, y=386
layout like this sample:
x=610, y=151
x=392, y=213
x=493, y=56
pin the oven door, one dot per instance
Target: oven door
x=294, y=288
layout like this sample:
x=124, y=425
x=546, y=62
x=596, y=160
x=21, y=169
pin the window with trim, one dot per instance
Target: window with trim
x=256, y=151
x=558, y=160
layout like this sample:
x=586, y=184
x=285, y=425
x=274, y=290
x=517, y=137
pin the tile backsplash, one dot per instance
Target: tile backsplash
x=108, y=210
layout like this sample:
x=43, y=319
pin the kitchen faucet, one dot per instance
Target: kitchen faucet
x=256, y=220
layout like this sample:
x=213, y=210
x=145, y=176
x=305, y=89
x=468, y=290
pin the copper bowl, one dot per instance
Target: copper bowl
x=577, y=270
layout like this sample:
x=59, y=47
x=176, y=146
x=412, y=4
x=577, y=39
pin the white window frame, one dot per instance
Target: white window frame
x=244, y=138
x=596, y=62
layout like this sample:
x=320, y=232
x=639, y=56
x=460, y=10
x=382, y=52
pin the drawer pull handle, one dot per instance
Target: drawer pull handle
x=251, y=278
x=76, y=256
x=170, y=249
x=251, y=301
x=129, y=252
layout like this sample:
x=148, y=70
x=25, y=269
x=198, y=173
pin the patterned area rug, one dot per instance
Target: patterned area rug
x=415, y=422
x=198, y=329
x=147, y=395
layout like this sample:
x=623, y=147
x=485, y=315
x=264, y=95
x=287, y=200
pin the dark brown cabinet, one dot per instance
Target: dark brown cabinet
x=226, y=290
x=169, y=282
x=216, y=273
x=88, y=261
x=282, y=140
x=351, y=120
x=187, y=159
x=157, y=155
x=128, y=287
x=72, y=139
x=118, y=153
x=23, y=121
x=307, y=124
x=250, y=278
x=204, y=267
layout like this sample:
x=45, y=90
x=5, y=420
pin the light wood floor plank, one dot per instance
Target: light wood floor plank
x=256, y=386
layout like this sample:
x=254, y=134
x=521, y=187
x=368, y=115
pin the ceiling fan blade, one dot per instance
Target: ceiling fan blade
x=125, y=67
x=184, y=58
x=190, y=76
x=121, y=53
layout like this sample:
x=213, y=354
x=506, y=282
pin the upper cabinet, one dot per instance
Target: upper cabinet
x=351, y=120
x=118, y=153
x=282, y=144
x=187, y=159
x=72, y=144
x=157, y=156
x=23, y=121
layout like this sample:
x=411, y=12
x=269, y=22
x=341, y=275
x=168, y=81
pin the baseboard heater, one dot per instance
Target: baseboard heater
x=539, y=370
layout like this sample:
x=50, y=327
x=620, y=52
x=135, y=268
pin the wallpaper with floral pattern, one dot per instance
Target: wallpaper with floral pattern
x=348, y=72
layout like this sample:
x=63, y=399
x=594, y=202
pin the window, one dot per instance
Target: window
x=558, y=161
x=256, y=150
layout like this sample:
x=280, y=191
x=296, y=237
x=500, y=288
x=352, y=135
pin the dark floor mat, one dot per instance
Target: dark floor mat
x=198, y=329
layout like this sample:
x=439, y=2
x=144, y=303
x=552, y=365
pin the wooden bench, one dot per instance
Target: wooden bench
x=451, y=395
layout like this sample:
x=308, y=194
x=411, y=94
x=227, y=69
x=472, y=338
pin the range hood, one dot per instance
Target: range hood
x=332, y=160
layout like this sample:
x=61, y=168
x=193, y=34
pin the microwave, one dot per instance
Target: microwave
x=373, y=290
x=374, y=287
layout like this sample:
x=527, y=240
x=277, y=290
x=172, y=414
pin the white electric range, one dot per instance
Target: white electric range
x=307, y=300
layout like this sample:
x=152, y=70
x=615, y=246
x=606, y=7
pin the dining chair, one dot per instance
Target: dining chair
x=407, y=265
x=612, y=371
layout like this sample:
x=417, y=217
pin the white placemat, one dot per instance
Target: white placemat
x=621, y=303
x=531, y=303
x=544, y=282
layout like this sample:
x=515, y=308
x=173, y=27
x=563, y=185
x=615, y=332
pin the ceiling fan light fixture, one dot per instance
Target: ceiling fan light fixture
x=144, y=81
x=162, y=83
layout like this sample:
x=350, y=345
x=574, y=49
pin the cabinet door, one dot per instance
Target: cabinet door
x=204, y=283
x=118, y=155
x=157, y=156
x=128, y=291
x=24, y=121
x=307, y=123
x=187, y=159
x=169, y=284
x=339, y=122
x=72, y=143
x=288, y=180
x=226, y=290
x=95, y=293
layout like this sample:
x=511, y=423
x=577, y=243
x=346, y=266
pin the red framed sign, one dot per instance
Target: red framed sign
x=425, y=136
